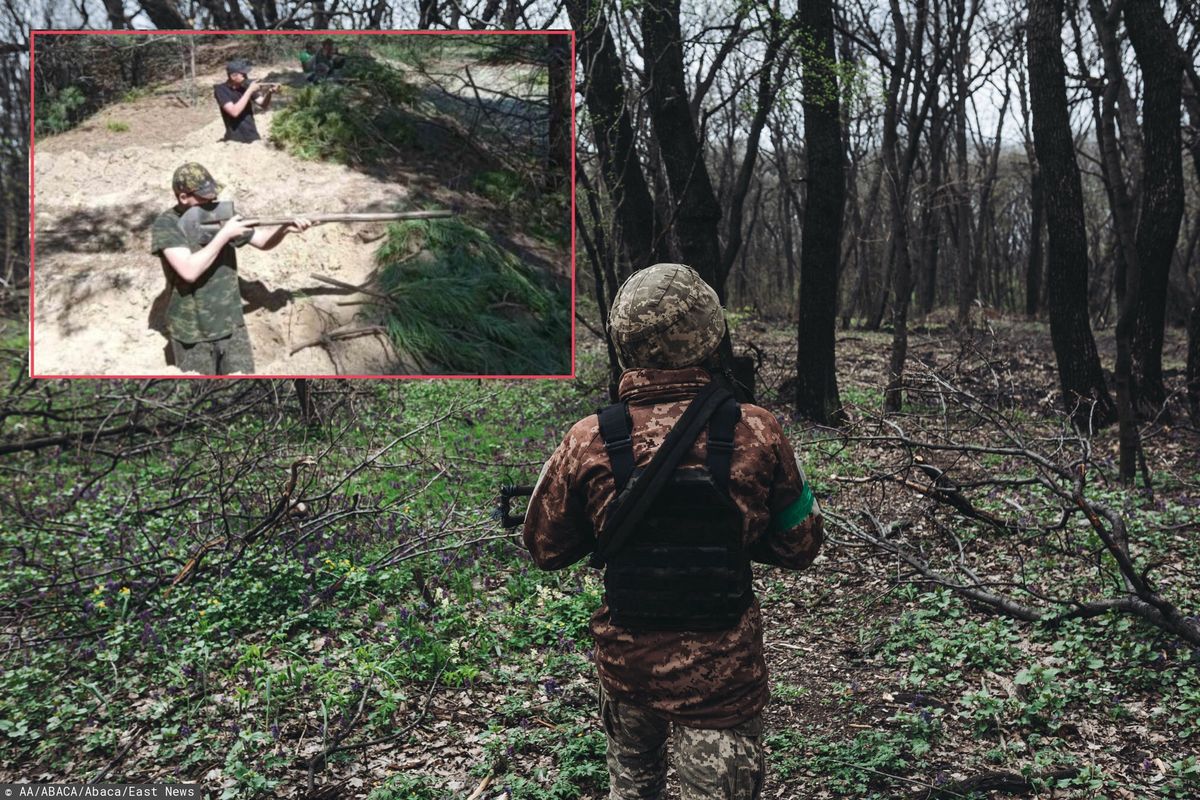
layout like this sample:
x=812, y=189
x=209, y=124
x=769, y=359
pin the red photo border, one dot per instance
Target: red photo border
x=32, y=144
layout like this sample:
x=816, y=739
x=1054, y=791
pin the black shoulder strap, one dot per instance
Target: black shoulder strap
x=720, y=441
x=625, y=517
x=617, y=430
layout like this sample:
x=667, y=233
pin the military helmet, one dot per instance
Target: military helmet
x=666, y=316
x=194, y=179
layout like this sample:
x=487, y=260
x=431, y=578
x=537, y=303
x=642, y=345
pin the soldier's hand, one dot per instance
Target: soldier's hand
x=299, y=225
x=233, y=228
x=253, y=87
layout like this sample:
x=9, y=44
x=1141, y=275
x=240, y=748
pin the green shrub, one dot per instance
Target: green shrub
x=502, y=187
x=468, y=305
x=357, y=119
x=58, y=111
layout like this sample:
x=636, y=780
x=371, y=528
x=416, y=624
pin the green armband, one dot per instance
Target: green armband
x=794, y=514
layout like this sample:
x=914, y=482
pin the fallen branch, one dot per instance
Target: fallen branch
x=351, y=286
x=1065, y=487
x=1007, y=782
x=327, y=339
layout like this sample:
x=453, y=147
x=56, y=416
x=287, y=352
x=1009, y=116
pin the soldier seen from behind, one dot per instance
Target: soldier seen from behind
x=204, y=316
x=673, y=492
x=237, y=98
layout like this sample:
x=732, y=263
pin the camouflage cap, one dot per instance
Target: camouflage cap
x=238, y=65
x=666, y=316
x=194, y=179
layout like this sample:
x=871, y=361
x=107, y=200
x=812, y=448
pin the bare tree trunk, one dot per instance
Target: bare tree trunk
x=1127, y=271
x=931, y=233
x=320, y=14
x=1085, y=395
x=164, y=14
x=986, y=190
x=604, y=93
x=230, y=17
x=306, y=401
x=559, y=102
x=1191, y=101
x=816, y=377
x=14, y=172
x=697, y=214
x=1162, y=187
x=192, y=70
x=898, y=201
x=116, y=14
x=601, y=255
x=768, y=85
x=1191, y=98
x=861, y=296
x=1037, y=203
x=968, y=286
x=1037, y=223
x=427, y=14
x=787, y=199
x=1193, y=362
x=877, y=313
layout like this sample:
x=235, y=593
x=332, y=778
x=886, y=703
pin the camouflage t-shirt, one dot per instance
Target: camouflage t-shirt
x=710, y=679
x=211, y=307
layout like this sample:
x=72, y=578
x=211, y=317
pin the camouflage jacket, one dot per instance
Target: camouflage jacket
x=712, y=679
x=211, y=307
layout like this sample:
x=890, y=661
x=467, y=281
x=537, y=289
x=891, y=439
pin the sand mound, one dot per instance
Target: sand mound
x=98, y=292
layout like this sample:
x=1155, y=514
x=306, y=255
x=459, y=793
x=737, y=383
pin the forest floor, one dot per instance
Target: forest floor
x=388, y=640
x=99, y=296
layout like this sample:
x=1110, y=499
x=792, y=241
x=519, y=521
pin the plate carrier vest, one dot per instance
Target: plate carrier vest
x=683, y=568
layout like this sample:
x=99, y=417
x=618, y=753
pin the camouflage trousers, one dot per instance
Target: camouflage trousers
x=711, y=764
x=220, y=357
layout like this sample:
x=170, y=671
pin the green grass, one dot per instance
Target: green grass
x=260, y=655
x=243, y=656
x=502, y=187
x=461, y=303
x=116, y=126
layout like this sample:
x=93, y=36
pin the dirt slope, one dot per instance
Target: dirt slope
x=99, y=293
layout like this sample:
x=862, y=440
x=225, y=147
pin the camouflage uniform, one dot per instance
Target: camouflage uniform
x=709, y=762
x=712, y=685
x=204, y=318
x=324, y=64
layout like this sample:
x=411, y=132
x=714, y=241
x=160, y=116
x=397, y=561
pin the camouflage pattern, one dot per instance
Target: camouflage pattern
x=323, y=63
x=194, y=179
x=209, y=308
x=665, y=316
x=221, y=357
x=711, y=679
x=710, y=763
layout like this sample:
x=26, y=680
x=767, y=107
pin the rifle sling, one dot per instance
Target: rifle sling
x=640, y=496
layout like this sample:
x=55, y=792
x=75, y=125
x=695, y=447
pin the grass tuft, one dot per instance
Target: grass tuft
x=461, y=303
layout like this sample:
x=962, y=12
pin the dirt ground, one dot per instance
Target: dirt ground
x=100, y=296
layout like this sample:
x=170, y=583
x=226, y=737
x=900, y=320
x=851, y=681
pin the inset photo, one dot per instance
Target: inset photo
x=302, y=204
